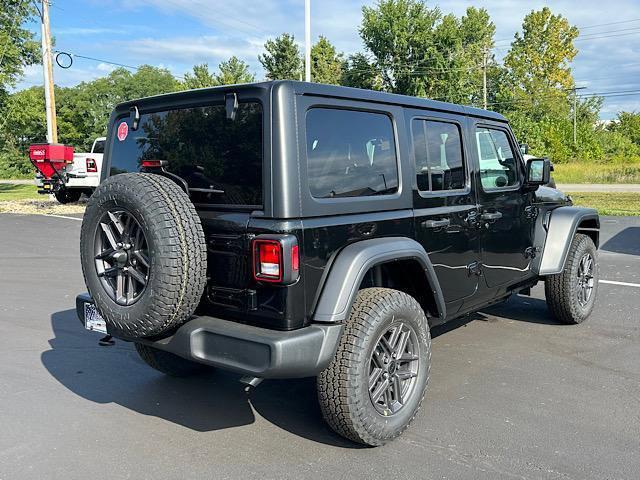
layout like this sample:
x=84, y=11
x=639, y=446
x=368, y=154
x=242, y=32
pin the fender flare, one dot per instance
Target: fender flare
x=562, y=226
x=352, y=263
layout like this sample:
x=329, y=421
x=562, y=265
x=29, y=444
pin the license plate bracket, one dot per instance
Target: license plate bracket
x=93, y=321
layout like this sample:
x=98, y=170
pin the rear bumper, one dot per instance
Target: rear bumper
x=246, y=349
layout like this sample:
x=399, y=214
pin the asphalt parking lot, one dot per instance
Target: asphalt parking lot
x=513, y=394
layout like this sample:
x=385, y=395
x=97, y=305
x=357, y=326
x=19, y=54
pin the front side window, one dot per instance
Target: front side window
x=350, y=153
x=439, y=159
x=498, y=164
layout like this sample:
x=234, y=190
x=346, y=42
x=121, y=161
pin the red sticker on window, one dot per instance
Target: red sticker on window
x=123, y=131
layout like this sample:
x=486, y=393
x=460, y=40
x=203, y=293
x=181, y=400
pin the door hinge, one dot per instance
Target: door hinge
x=474, y=268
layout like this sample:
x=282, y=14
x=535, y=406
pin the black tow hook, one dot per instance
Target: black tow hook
x=106, y=341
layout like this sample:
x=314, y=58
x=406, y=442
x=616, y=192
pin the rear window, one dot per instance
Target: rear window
x=350, y=153
x=220, y=159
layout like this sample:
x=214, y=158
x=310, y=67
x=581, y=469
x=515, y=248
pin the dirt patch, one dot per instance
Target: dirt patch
x=42, y=206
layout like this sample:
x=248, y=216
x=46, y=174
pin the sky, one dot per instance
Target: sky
x=176, y=34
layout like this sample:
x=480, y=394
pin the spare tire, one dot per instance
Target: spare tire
x=143, y=255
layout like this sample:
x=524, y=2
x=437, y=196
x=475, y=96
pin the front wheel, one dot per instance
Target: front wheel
x=375, y=384
x=571, y=295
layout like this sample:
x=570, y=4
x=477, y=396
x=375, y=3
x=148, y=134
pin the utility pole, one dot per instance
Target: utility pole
x=47, y=67
x=575, y=113
x=485, y=60
x=307, y=40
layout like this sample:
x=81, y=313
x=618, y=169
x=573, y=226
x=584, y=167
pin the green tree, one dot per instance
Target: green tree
x=282, y=59
x=535, y=90
x=477, y=31
x=359, y=72
x=538, y=63
x=628, y=124
x=200, y=77
x=419, y=51
x=326, y=63
x=18, y=48
x=400, y=36
x=25, y=125
x=232, y=72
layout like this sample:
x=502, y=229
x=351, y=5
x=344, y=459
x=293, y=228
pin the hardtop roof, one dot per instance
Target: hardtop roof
x=305, y=88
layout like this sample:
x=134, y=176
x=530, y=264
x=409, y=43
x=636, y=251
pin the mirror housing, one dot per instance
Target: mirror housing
x=538, y=172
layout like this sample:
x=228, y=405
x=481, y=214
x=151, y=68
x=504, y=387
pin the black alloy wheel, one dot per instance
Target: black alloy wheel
x=586, y=279
x=393, y=368
x=121, y=256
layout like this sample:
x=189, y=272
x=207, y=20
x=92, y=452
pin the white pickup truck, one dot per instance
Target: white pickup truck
x=83, y=176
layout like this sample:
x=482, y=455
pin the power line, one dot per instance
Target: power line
x=94, y=59
x=610, y=31
x=606, y=36
x=585, y=36
x=610, y=23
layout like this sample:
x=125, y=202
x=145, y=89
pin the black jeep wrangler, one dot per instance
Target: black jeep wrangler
x=287, y=229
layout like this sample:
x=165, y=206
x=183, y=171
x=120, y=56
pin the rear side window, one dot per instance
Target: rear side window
x=220, y=159
x=498, y=164
x=439, y=159
x=350, y=153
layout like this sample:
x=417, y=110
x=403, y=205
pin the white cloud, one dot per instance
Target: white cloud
x=105, y=67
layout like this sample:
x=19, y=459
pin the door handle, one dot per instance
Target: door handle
x=491, y=215
x=444, y=222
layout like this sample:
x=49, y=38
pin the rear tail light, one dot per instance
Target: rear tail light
x=91, y=166
x=276, y=258
x=269, y=262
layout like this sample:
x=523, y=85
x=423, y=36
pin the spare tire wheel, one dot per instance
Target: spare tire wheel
x=143, y=254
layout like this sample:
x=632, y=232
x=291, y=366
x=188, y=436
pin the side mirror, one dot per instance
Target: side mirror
x=538, y=171
x=524, y=148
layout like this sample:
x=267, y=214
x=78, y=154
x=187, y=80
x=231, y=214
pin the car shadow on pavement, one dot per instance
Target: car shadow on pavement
x=211, y=401
x=626, y=241
x=521, y=308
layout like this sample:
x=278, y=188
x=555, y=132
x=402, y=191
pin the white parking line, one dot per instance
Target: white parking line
x=622, y=284
x=59, y=216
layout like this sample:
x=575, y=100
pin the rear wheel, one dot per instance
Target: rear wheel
x=571, y=294
x=66, y=195
x=168, y=363
x=373, y=388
